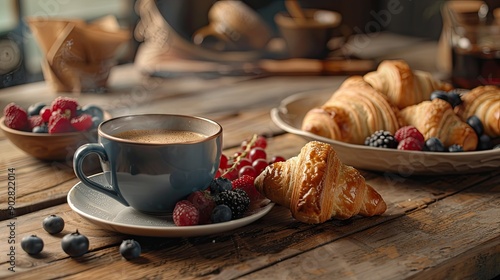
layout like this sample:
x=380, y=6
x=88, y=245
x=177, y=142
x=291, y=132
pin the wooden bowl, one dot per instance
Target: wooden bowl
x=52, y=147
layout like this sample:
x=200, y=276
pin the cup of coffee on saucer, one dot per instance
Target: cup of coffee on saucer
x=310, y=34
x=152, y=161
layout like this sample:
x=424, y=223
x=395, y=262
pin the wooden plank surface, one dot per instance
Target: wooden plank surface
x=241, y=116
x=439, y=227
x=419, y=208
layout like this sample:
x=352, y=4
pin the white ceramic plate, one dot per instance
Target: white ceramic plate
x=109, y=214
x=289, y=116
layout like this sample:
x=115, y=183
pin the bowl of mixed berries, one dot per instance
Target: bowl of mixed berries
x=51, y=131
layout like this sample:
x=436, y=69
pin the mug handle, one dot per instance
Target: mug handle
x=80, y=154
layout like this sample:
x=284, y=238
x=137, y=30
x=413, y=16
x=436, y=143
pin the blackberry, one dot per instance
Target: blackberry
x=381, y=139
x=237, y=200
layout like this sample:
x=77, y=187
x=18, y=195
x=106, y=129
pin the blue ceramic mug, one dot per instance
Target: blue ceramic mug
x=152, y=161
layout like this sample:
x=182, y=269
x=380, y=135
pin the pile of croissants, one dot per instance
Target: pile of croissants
x=394, y=96
x=316, y=186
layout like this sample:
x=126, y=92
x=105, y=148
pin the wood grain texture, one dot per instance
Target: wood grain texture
x=436, y=227
x=423, y=209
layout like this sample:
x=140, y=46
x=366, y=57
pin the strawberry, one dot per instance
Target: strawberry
x=64, y=105
x=185, y=214
x=410, y=143
x=205, y=205
x=16, y=117
x=82, y=122
x=59, y=123
x=35, y=121
x=409, y=131
x=246, y=183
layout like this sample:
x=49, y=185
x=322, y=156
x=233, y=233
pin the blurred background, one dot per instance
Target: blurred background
x=20, y=56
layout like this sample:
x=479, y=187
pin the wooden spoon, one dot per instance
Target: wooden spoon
x=295, y=10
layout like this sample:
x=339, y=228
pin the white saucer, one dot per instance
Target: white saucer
x=109, y=214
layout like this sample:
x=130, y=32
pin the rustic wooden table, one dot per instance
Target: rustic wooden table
x=439, y=227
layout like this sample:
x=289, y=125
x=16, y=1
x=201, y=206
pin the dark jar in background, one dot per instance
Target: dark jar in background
x=475, y=49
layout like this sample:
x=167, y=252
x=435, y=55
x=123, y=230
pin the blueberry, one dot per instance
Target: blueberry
x=484, y=143
x=34, y=109
x=79, y=111
x=433, y=144
x=40, y=129
x=439, y=94
x=96, y=121
x=94, y=111
x=454, y=98
x=130, y=249
x=220, y=184
x=221, y=213
x=476, y=124
x=53, y=224
x=75, y=244
x=455, y=148
x=32, y=244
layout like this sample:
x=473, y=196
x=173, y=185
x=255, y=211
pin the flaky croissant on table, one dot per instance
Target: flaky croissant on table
x=437, y=118
x=316, y=186
x=354, y=112
x=484, y=103
x=402, y=85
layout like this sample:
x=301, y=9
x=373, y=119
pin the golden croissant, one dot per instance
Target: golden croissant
x=484, y=103
x=353, y=112
x=437, y=118
x=316, y=186
x=402, y=85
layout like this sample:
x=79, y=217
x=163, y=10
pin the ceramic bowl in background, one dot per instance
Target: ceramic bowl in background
x=308, y=37
x=45, y=146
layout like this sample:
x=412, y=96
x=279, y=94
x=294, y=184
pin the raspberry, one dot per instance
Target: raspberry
x=59, y=123
x=64, y=105
x=185, y=214
x=82, y=122
x=35, y=121
x=410, y=143
x=45, y=112
x=409, y=131
x=204, y=203
x=245, y=183
x=237, y=200
x=16, y=117
x=381, y=139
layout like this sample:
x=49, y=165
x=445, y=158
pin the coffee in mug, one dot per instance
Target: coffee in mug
x=160, y=136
